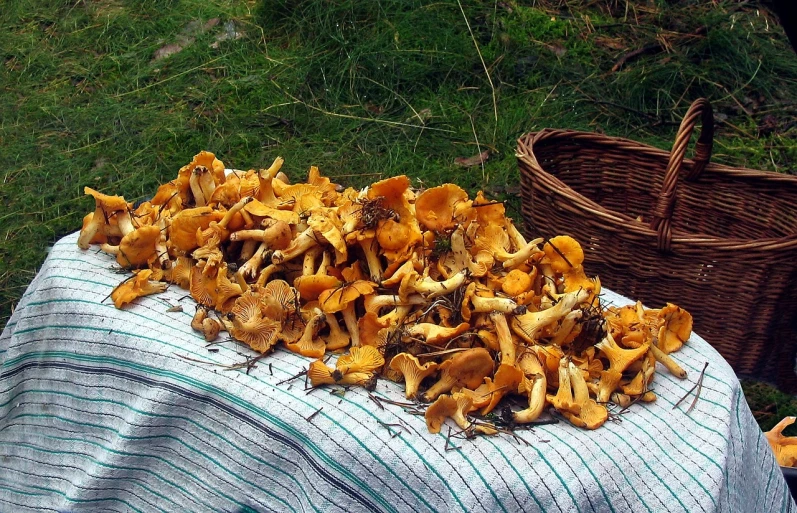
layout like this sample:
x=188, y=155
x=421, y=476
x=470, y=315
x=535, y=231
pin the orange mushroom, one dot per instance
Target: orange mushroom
x=140, y=285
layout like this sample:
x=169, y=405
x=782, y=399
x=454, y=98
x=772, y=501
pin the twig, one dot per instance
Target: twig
x=390, y=428
x=308, y=419
x=698, y=386
x=699, y=389
x=302, y=373
x=448, y=437
x=375, y=399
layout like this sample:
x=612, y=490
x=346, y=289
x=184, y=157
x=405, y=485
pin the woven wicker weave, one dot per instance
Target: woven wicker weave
x=716, y=240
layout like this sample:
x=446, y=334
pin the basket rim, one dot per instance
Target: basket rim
x=624, y=223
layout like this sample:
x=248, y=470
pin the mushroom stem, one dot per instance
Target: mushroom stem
x=523, y=254
x=375, y=303
x=430, y=288
x=277, y=234
x=265, y=176
x=667, y=361
x=234, y=210
x=536, y=384
x=496, y=304
x=518, y=240
x=566, y=327
x=210, y=328
x=300, y=244
x=200, y=315
x=372, y=258
x=350, y=320
x=396, y=315
x=337, y=338
x=160, y=246
x=308, y=262
x=505, y=341
x=250, y=267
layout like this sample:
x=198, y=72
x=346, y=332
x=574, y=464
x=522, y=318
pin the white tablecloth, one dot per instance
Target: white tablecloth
x=98, y=412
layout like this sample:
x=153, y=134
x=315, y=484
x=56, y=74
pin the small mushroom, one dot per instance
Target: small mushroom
x=250, y=326
x=434, y=334
x=308, y=344
x=414, y=373
x=466, y=369
x=619, y=358
x=137, y=287
x=360, y=359
x=675, y=329
x=107, y=210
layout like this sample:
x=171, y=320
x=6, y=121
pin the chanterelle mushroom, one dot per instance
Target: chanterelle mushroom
x=139, y=286
x=412, y=370
x=784, y=447
x=466, y=369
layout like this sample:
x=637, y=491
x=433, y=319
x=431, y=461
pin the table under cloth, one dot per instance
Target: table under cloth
x=101, y=410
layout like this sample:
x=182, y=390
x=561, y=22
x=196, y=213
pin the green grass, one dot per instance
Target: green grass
x=362, y=89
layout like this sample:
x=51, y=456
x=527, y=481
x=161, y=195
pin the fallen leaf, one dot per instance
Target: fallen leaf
x=165, y=51
x=608, y=42
x=374, y=109
x=767, y=125
x=472, y=161
x=557, y=49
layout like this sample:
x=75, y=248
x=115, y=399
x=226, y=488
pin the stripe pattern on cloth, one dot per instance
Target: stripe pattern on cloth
x=102, y=409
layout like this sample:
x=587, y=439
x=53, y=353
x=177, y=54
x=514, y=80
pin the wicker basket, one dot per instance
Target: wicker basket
x=716, y=240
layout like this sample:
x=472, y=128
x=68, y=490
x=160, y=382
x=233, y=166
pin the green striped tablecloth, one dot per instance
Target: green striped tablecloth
x=99, y=412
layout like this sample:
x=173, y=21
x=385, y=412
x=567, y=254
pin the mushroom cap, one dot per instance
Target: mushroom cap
x=257, y=208
x=308, y=344
x=516, y=282
x=185, y=224
x=441, y=208
x=489, y=212
x=310, y=287
x=137, y=248
x=208, y=160
x=202, y=286
x=436, y=335
x=675, y=329
x=226, y=290
x=445, y=406
x=169, y=194
x=280, y=299
x=325, y=222
x=360, y=359
x=138, y=286
x=563, y=253
x=304, y=197
x=336, y=300
x=470, y=367
x=319, y=374
x=391, y=189
x=109, y=204
x=250, y=326
x=180, y=272
x=412, y=370
x=506, y=381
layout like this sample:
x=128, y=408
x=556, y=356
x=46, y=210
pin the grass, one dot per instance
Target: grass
x=362, y=89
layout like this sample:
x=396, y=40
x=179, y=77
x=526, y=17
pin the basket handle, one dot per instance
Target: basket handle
x=662, y=212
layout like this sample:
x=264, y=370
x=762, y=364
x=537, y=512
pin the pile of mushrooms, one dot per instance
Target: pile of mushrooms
x=428, y=287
